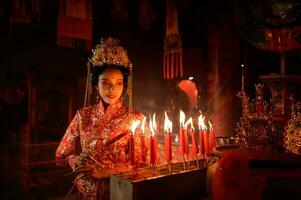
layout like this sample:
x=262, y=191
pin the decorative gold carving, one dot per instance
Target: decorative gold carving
x=109, y=51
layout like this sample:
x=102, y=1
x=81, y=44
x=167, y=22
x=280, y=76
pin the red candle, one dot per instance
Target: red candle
x=201, y=142
x=132, y=142
x=152, y=151
x=132, y=149
x=168, y=150
x=155, y=136
x=182, y=141
x=195, y=149
x=152, y=141
x=142, y=141
x=206, y=142
x=212, y=142
x=186, y=143
x=156, y=146
x=182, y=133
x=168, y=138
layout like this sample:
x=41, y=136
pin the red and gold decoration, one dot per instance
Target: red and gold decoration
x=256, y=127
x=293, y=130
x=173, y=55
x=110, y=52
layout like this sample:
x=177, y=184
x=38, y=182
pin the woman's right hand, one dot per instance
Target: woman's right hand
x=95, y=171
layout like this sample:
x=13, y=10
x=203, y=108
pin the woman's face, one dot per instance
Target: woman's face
x=110, y=85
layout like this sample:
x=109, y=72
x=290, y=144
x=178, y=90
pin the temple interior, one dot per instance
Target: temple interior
x=234, y=64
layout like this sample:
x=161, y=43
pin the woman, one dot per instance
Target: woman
x=95, y=144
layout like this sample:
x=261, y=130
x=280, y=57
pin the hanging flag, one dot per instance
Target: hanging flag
x=173, y=56
x=74, y=27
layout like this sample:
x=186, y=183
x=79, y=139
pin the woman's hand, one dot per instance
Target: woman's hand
x=95, y=171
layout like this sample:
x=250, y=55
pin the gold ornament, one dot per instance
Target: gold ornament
x=110, y=52
x=293, y=130
x=255, y=128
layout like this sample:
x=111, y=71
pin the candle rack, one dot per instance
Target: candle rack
x=178, y=184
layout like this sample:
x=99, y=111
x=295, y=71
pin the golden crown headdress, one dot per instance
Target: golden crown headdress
x=109, y=51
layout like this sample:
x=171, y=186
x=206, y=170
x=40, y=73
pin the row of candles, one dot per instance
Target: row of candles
x=200, y=149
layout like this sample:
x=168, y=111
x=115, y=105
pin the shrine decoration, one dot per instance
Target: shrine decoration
x=292, y=136
x=256, y=129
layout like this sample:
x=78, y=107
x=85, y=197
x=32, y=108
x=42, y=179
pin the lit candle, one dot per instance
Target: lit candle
x=132, y=142
x=142, y=141
x=155, y=137
x=168, y=138
x=182, y=134
x=192, y=133
x=202, y=126
x=186, y=142
x=212, y=142
x=206, y=142
x=203, y=132
x=152, y=144
x=182, y=137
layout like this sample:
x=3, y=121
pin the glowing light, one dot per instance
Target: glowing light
x=201, y=121
x=176, y=139
x=134, y=126
x=167, y=124
x=143, y=125
x=152, y=124
x=210, y=126
x=189, y=121
x=182, y=118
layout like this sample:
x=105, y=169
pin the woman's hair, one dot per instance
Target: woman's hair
x=97, y=70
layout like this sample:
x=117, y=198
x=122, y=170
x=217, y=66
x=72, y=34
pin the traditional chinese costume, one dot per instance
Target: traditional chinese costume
x=103, y=135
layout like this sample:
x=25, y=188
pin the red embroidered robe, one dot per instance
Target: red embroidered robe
x=92, y=132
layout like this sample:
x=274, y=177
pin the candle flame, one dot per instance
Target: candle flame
x=143, y=125
x=182, y=118
x=167, y=124
x=134, y=126
x=189, y=121
x=151, y=126
x=201, y=120
x=154, y=122
x=176, y=139
x=210, y=126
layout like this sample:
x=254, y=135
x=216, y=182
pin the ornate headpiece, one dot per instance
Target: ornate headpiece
x=109, y=51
